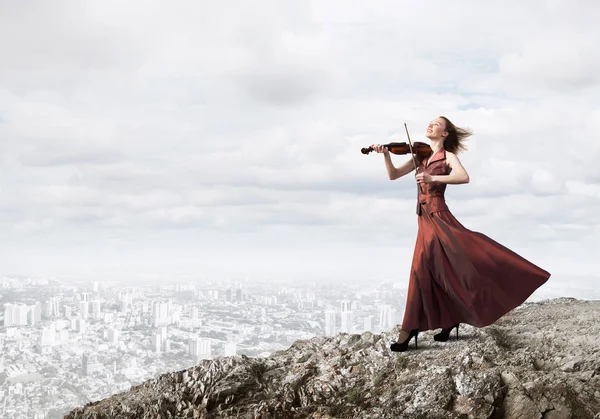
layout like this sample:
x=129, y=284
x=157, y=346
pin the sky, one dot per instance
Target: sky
x=166, y=138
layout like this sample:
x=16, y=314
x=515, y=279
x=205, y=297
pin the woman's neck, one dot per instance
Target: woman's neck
x=436, y=145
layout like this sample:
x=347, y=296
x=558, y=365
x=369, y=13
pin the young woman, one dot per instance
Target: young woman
x=457, y=275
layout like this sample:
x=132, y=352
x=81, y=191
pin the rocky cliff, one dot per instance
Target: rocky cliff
x=542, y=360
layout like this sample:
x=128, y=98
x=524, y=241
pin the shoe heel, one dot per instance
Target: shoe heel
x=445, y=334
x=401, y=347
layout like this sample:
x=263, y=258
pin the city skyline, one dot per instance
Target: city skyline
x=105, y=337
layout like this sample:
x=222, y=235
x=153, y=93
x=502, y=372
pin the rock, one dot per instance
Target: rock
x=539, y=361
x=571, y=363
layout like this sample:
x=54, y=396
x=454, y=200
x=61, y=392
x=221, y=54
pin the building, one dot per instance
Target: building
x=347, y=325
x=160, y=341
x=90, y=364
x=346, y=305
x=97, y=309
x=200, y=347
x=330, y=323
x=84, y=309
x=112, y=335
x=387, y=317
x=160, y=313
x=79, y=325
x=46, y=340
x=16, y=314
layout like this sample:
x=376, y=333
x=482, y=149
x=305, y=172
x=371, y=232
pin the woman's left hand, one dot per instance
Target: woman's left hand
x=424, y=178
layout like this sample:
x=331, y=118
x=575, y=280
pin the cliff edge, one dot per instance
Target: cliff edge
x=542, y=360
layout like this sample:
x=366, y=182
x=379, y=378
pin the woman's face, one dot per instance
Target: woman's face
x=436, y=129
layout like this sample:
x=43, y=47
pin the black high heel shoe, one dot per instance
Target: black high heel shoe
x=445, y=333
x=401, y=347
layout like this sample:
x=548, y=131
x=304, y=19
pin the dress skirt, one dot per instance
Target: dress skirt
x=462, y=276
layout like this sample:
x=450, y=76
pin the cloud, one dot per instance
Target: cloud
x=211, y=127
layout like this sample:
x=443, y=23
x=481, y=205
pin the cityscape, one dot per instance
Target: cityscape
x=64, y=345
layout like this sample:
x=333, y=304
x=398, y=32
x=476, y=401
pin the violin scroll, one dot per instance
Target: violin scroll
x=366, y=150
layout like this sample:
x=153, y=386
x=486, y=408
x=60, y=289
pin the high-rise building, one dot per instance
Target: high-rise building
x=90, y=364
x=108, y=318
x=160, y=341
x=50, y=308
x=64, y=337
x=200, y=347
x=16, y=314
x=8, y=314
x=160, y=313
x=80, y=325
x=175, y=316
x=330, y=320
x=21, y=314
x=112, y=335
x=31, y=316
x=346, y=305
x=194, y=313
x=48, y=335
x=97, y=309
x=47, y=339
x=47, y=309
x=84, y=309
x=387, y=316
x=55, y=310
x=347, y=325
x=156, y=342
x=126, y=302
x=37, y=312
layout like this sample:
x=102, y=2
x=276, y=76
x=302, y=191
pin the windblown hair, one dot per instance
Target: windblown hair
x=455, y=141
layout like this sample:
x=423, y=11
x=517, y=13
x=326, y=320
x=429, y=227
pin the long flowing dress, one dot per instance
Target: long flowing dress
x=458, y=275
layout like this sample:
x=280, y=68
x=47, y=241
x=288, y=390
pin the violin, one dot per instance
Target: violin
x=420, y=149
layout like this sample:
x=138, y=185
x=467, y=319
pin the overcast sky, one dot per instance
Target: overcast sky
x=196, y=136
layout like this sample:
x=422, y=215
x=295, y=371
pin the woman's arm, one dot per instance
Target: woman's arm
x=393, y=171
x=397, y=172
x=459, y=174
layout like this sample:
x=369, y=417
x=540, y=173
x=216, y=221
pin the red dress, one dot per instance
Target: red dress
x=459, y=275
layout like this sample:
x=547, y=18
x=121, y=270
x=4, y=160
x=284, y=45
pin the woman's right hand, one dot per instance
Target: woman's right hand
x=380, y=149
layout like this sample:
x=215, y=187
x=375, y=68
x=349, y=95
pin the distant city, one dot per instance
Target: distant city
x=64, y=345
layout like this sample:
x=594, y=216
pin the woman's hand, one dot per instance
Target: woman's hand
x=424, y=178
x=380, y=149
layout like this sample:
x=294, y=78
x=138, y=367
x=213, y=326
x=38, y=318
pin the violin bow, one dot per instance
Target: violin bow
x=412, y=155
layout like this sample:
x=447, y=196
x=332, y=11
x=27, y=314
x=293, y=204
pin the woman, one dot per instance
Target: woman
x=457, y=275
